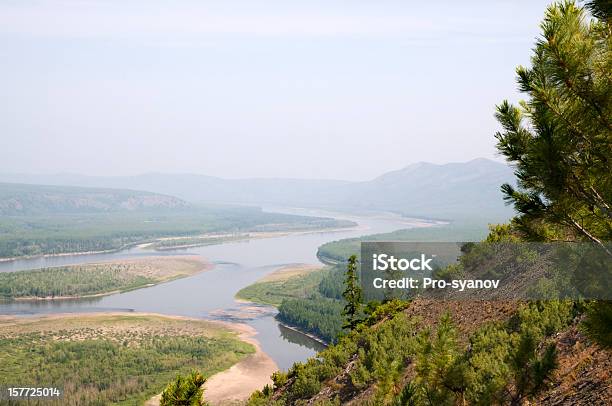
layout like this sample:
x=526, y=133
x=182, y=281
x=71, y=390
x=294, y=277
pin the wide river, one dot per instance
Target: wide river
x=210, y=295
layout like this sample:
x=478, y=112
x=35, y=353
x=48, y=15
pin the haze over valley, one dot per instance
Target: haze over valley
x=450, y=191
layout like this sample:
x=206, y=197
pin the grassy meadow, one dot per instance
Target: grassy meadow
x=100, y=359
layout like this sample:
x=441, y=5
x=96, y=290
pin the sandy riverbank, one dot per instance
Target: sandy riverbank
x=63, y=320
x=252, y=373
x=235, y=385
x=228, y=238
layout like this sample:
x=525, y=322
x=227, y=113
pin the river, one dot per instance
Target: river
x=210, y=295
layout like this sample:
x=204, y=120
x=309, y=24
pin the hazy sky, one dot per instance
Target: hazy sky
x=325, y=89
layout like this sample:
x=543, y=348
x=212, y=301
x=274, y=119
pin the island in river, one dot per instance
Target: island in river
x=98, y=279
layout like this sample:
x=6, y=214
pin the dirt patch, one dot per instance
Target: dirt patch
x=467, y=315
x=81, y=326
x=584, y=375
x=243, y=312
x=288, y=272
x=162, y=268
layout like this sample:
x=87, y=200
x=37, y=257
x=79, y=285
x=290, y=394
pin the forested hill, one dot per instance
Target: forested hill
x=49, y=220
x=22, y=199
x=449, y=191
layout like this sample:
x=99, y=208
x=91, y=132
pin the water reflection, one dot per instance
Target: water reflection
x=294, y=336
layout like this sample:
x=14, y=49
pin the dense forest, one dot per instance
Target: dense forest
x=306, y=299
x=319, y=310
x=69, y=281
x=318, y=316
x=311, y=300
x=65, y=233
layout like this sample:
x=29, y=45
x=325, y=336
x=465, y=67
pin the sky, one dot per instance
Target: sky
x=250, y=88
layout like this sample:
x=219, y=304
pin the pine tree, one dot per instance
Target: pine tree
x=184, y=391
x=560, y=138
x=598, y=323
x=530, y=370
x=352, y=295
x=439, y=366
x=601, y=9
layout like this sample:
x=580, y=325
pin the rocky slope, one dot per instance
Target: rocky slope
x=583, y=375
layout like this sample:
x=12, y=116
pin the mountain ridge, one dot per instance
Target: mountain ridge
x=28, y=199
x=446, y=191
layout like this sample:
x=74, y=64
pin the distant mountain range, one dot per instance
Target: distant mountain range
x=449, y=191
x=23, y=199
x=455, y=190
